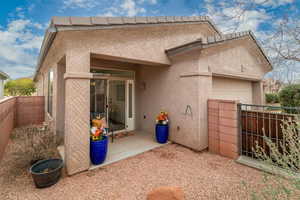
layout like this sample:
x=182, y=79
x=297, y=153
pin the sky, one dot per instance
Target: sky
x=23, y=22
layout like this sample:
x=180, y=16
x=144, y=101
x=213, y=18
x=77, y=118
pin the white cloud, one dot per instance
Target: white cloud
x=273, y=3
x=233, y=18
x=88, y=4
x=153, y=2
x=108, y=14
x=128, y=8
x=19, y=44
x=131, y=9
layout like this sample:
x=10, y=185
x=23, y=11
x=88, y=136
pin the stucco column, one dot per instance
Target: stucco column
x=77, y=111
x=205, y=88
x=258, y=93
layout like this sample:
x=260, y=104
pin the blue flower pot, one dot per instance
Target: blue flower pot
x=162, y=133
x=98, y=151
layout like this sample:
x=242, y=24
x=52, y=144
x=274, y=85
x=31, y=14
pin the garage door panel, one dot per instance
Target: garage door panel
x=232, y=89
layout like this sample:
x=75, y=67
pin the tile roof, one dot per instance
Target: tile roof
x=205, y=42
x=109, y=21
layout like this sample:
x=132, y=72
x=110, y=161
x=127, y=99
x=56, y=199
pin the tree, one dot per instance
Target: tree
x=281, y=38
x=19, y=87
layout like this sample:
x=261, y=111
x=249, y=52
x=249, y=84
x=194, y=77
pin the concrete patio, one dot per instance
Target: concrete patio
x=125, y=147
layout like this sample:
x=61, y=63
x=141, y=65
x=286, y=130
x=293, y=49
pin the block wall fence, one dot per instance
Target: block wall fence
x=223, y=129
x=17, y=112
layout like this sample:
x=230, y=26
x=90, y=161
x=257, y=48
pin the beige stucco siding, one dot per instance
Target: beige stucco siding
x=238, y=58
x=136, y=43
x=232, y=89
x=168, y=90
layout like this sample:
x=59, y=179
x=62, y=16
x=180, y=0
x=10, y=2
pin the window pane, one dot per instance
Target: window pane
x=50, y=91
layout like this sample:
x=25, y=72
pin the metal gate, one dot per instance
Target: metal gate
x=255, y=121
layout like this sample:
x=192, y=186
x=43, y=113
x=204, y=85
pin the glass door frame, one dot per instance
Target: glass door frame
x=127, y=81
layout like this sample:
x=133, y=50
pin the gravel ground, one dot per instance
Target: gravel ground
x=201, y=175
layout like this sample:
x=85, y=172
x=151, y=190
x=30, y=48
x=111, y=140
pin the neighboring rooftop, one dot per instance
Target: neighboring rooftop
x=3, y=75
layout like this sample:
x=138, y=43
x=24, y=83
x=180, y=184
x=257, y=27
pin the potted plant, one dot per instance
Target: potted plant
x=98, y=141
x=162, y=127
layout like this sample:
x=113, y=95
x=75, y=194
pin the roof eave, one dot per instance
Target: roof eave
x=4, y=75
x=46, y=44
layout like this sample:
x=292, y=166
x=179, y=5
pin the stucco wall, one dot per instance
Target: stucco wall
x=167, y=89
x=55, y=54
x=138, y=43
x=237, y=58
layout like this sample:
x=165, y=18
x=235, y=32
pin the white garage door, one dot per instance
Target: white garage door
x=232, y=89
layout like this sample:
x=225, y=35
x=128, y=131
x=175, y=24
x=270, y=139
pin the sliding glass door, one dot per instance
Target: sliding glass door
x=98, y=98
x=116, y=104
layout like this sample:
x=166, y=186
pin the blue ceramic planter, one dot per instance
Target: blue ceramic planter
x=98, y=151
x=162, y=133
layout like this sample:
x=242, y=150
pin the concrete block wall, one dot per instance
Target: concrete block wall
x=7, y=121
x=16, y=112
x=30, y=110
x=223, y=129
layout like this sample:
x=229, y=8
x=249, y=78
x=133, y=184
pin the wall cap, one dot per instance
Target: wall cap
x=224, y=101
x=78, y=75
x=6, y=99
x=192, y=74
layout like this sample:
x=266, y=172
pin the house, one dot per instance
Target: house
x=128, y=69
x=3, y=77
x=272, y=86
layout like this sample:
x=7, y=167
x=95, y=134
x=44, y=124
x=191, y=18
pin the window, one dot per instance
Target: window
x=50, y=91
x=130, y=101
x=121, y=92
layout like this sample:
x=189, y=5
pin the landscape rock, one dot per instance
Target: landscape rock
x=166, y=193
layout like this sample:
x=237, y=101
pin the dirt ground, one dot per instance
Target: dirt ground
x=201, y=176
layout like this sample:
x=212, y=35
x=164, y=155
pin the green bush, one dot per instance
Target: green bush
x=283, y=155
x=272, y=98
x=290, y=96
x=19, y=87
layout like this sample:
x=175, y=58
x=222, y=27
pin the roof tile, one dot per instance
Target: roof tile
x=115, y=20
x=129, y=20
x=80, y=20
x=152, y=20
x=161, y=19
x=141, y=20
x=99, y=20
x=178, y=18
x=61, y=20
x=186, y=19
x=170, y=19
